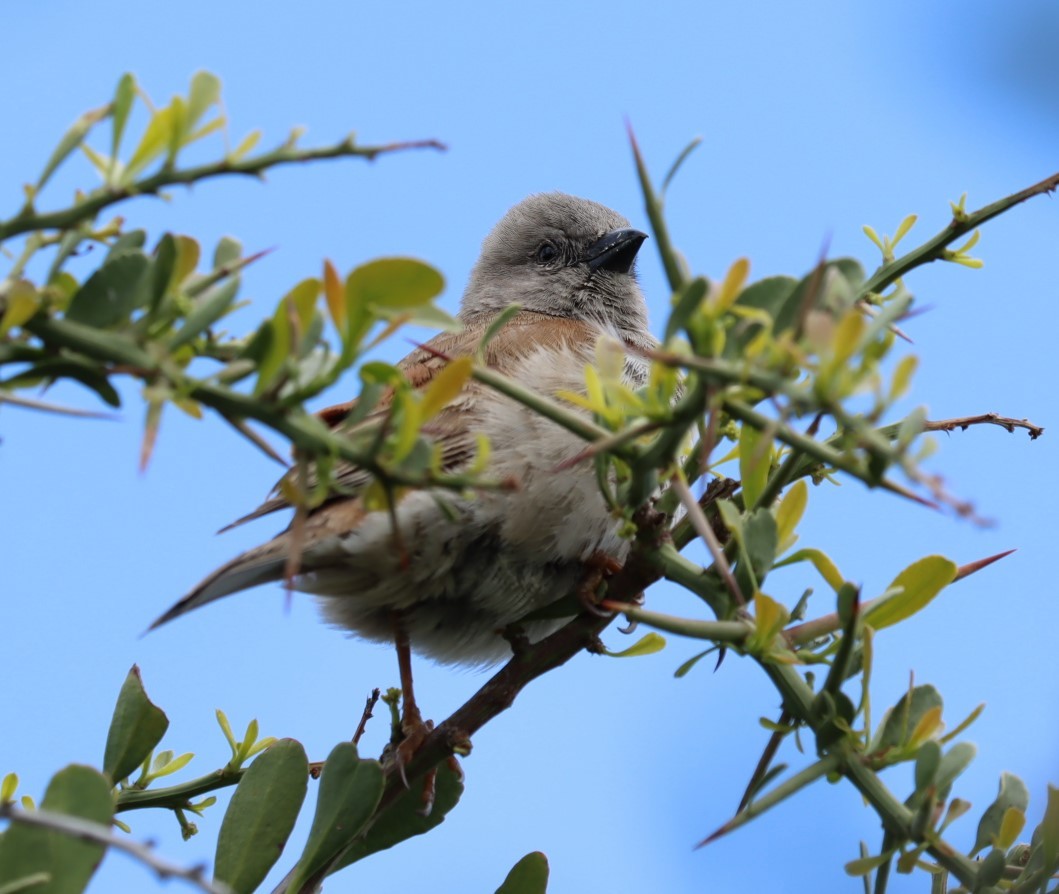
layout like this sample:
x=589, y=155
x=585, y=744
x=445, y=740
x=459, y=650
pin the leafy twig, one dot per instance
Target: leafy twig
x=76, y=827
x=29, y=221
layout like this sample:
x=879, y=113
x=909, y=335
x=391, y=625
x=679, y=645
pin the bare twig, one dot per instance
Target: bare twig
x=702, y=527
x=369, y=706
x=965, y=422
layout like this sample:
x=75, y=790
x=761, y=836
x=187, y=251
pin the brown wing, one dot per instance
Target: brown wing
x=419, y=367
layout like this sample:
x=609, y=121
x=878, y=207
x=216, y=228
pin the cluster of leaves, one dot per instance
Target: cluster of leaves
x=767, y=366
x=797, y=375
x=151, y=314
x=82, y=802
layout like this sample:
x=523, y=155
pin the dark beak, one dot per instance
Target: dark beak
x=614, y=251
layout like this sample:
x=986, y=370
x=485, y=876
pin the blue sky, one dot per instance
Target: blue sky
x=816, y=120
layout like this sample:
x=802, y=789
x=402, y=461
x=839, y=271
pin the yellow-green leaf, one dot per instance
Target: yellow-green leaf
x=906, y=368
x=8, y=787
x=303, y=299
x=247, y=144
x=918, y=584
x=732, y=285
x=187, y=258
x=153, y=142
x=445, y=386
x=1010, y=826
x=847, y=335
x=646, y=645
x=789, y=512
x=409, y=420
x=22, y=303
x=335, y=296
x=755, y=460
x=205, y=92
x=928, y=727
x=770, y=617
x=178, y=126
x=821, y=561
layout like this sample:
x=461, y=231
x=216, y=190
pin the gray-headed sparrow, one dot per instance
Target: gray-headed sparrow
x=463, y=574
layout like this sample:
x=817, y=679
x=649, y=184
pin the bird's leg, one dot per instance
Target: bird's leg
x=598, y=567
x=413, y=729
x=410, y=715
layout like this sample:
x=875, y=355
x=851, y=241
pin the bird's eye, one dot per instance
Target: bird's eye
x=546, y=253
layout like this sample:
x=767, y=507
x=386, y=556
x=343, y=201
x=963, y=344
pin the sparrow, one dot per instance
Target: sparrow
x=466, y=567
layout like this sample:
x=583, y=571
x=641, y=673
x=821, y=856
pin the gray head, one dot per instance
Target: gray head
x=563, y=256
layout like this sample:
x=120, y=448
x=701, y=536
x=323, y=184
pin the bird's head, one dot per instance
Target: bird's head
x=560, y=255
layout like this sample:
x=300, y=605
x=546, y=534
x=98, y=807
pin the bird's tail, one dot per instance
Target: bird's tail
x=260, y=565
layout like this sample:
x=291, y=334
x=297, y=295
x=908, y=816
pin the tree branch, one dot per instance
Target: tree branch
x=28, y=221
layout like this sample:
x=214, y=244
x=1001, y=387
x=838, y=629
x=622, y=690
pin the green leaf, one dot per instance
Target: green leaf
x=684, y=304
x=227, y=252
x=496, y=324
x=952, y=764
x=1050, y=829
x=990, y=870
x=1012, y=794
x=864, y=865
x=427, y=315
x=208, y=309
x=917, y=585
x=768, y=295
x=68, y=862
x=122, y=104
x=277, y=349
x=135, y=729
x=350, y=789
x=88, y=374
x=128, y=242
x=672, y=172
x=901, y=720
x=817, y=289
x=528, y=876
x=692, y=661
x=70, y=141
x=404, y=818
x=761, y=537
x=260, y=817
x=646, y=645
x=162, y=266
x=110, y=294
x=928, y=762
x=392, y=283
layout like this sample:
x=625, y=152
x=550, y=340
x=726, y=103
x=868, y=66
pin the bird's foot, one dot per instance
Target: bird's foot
x=516, y=638
x=598, y=567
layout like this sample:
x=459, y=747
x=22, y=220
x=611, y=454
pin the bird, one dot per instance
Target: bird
x=468, y=566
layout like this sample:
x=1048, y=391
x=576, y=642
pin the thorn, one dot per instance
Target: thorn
x=709, y=839
x=971, y=567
